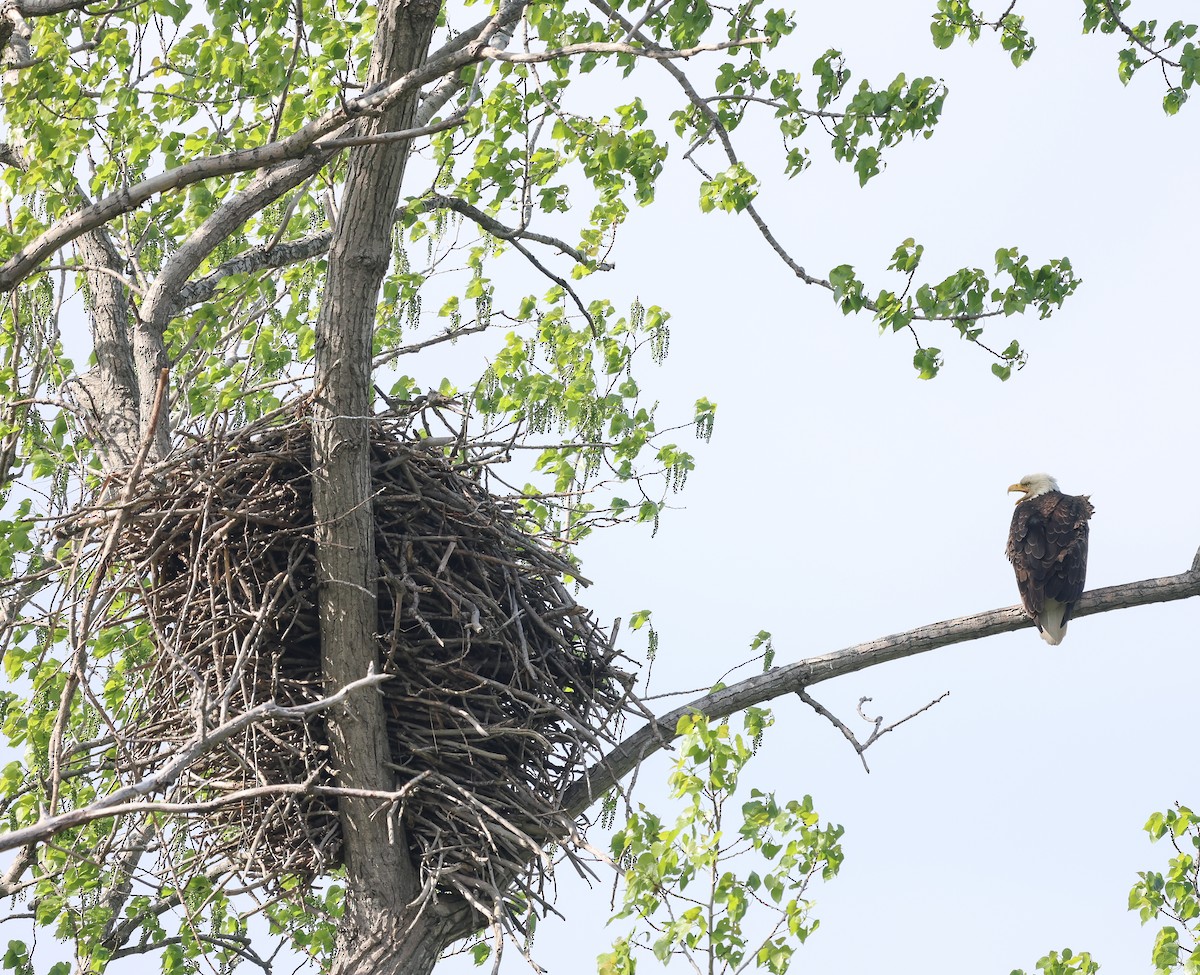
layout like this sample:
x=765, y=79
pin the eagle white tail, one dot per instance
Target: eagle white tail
x=1052, y=627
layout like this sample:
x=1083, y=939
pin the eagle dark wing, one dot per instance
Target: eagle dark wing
x=1047, y=545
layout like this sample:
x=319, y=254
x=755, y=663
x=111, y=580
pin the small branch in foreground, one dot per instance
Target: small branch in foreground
x=876, y=733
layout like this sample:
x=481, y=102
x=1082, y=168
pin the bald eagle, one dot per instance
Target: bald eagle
x=1047, y=545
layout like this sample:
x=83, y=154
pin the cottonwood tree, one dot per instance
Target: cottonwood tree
x=251, y=204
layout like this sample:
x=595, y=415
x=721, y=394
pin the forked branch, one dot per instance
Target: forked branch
x=876, y=733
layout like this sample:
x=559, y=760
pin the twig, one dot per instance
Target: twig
x=876, y=733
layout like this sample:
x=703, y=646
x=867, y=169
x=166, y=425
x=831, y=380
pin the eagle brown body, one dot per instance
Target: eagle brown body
x=1048, y=547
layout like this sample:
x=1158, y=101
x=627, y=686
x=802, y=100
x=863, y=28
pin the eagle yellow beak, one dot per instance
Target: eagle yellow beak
x=1018, y=487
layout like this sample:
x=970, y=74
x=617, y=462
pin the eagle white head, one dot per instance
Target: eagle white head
x=1031, y=485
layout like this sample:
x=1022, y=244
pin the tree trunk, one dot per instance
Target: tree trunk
x=381, y=933
x=110, y=389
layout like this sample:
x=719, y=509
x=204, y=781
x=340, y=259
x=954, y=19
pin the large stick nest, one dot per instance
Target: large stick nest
x=502, y=688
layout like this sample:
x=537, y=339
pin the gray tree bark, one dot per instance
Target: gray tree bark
x=109, y=391
x=384, y=931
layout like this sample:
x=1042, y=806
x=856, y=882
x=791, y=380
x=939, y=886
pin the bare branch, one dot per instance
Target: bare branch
x=608, y=47
x=795, y=678
x=876, y=733
x=404, y=135
x=447, y=335
x=259, y=258
x=121, y=801
x=208, y=806
x=504, y=232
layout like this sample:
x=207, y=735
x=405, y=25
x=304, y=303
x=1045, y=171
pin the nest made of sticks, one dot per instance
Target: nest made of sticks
x=502, y=688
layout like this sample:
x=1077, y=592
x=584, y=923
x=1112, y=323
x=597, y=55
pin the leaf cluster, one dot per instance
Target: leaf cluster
x=957, y=18
x=1174, y=893
x=724, y=891
x=964, y=299
x=1171, y=49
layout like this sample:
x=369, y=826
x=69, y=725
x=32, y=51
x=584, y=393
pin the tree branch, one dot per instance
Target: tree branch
x=260, y=258
x=497, y=229
x=654, y=53
x=876, y=733
x=46, y=8
x=263, y=257
x=1128, y=32
x=794, y=678
x=403, y=135
x=165, y=297
x=187, y=756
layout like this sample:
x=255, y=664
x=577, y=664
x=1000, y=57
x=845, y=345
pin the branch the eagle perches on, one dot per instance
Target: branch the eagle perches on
x=795, y=678
x=792, y=678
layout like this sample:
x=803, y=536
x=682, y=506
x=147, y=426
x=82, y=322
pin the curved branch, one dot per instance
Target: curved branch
x=260, y=258
x=793, y=678
x=494, y=227
x=1128, y=32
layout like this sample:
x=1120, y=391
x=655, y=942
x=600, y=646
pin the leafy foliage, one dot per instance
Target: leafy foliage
x=955, y=18
x=1171, y=49
x=1173, y=894
x=1065, y=962
x=964, y=299
x=680, y=878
